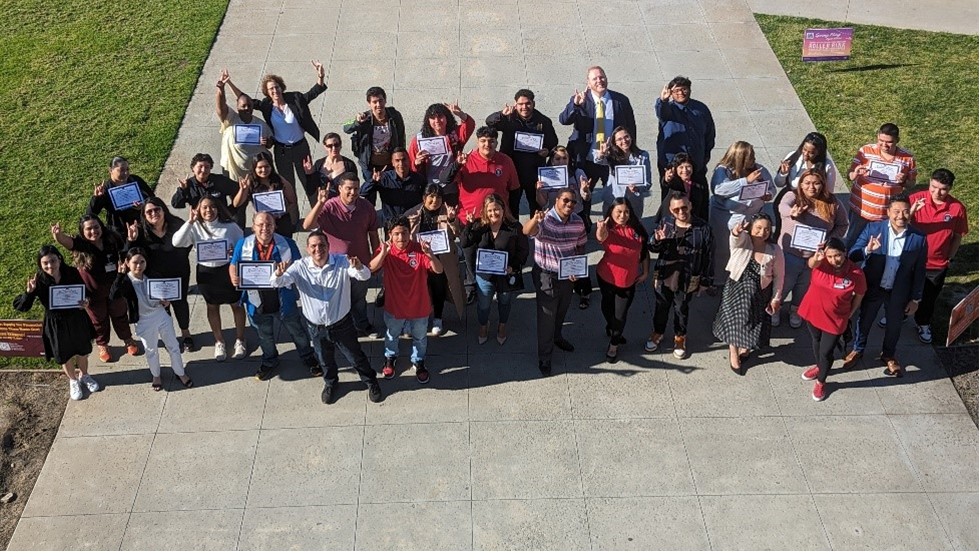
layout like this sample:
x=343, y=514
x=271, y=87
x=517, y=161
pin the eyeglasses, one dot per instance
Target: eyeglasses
x=681, y=90
x=332, y=146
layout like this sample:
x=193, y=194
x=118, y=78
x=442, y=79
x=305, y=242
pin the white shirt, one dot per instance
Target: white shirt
x=324, y=292
x=285, y=126
x=609, y=116
x=895, y=246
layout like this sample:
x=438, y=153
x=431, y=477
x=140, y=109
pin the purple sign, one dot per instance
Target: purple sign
x=827, y=44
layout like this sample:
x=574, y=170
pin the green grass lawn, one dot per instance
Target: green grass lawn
x=79, y=83
x=924, y=82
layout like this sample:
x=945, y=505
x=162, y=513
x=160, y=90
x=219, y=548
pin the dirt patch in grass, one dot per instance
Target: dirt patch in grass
x=962, y=364
x=31, y=407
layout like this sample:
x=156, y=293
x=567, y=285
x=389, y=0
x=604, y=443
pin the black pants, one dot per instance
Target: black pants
x=594, y=172
x=438, y=289
x=823, y=344
x=679, y=302
x=342, y=334
x=181, y=311
x=553, y=301
x=528, y=190
x=934, y=281
x=289, y=164
x=615, y=307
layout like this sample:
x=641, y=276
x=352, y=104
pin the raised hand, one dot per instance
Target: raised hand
x=192, y=217
x=660, y=233
x=421, y=158
x=376, y=173
x=32, y=283
x=132, y=231
x=121, y=266
x=451, y=212
x=461, y=158
x=183, y=182
x=470, y=217
x=354, y=262
x=308, y=165
x=873, y=243
x=666, y=92
x=362, y=116
x=224, y=78
x=55, y=230
x=99, y=190
x=604, y=147
x=539, y=215
x=858, y=172
x=455, y=109
x=754, y=175
x=579, y=97
x=243, y=183
x=507, y=110
x=918, y=205
x=426, y=246
x=797, y=210
x=584, y=185
x=784, y=167
x=320, y=71
x=668, y=174
x=820, y=254
x=321, y=195
x=280, y=268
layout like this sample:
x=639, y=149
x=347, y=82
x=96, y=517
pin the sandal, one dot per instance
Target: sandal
x=189, y=383
x=157, y=386
x=609, y=356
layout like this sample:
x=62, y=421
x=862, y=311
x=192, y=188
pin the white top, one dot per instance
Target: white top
x=192, y=232
x=796, y=170
x=285, y=126
x=147, y=306
x=236, y=158
x=621, y=191
x=324, y=292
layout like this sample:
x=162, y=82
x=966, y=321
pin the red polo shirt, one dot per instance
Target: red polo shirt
x=620, y=264
x=828, y=301
x=406, y=282
x=939, y=223
x=480, y=177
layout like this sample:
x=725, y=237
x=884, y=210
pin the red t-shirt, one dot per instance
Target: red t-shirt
x=406, y=282
x=939, y=224
x=480, y=177
x=829, y=299
x=620, y=264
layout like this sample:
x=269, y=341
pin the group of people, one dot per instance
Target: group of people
x=452, y=233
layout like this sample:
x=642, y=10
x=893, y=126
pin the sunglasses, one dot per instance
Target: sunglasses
x=680, y=209
x=332, y=145
x=154, y=211
x=567, y=201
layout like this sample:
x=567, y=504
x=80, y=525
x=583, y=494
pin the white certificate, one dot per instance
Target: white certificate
x=255, y=275
x=493, y=262
x=248, y=134
x=554, y=177
x=630, y=175
x=62, y=297
x=272, y=202
x=434, y=146
x=125, y=196
x=756, y=190
x=438, y=240
x=165, y=288
x=573, y=266
x=879, y=170
x=807, y=238
x=525, y=141
x=212, y=251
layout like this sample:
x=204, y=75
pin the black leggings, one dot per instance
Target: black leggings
x=438, y=288
x=823, y=344
x=181, y=311
x=615, y=307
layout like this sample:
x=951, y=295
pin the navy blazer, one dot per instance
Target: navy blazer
x=910, y=279
x=583, y=118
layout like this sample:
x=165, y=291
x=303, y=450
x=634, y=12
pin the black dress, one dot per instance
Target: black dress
x=741, y=320
x=67, y=333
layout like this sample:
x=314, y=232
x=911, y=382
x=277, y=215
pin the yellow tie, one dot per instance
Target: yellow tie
x=600, y=121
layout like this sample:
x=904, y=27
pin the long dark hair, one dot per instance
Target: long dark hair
x=617, y=155
x=45, y=251
x=111, y=241
x=818, y=141
x=634, y=222
x=170, y=222
x=274, y=178
x=438, y=109
x=223, y=215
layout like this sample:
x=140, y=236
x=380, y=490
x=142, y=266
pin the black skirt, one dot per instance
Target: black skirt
x=67, y=333
x=742, y=320
x=215, y=285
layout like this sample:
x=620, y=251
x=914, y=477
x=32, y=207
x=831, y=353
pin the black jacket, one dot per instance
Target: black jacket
x=217, y=186
x=118, y=219
x=510, y=238
x=122, y=287
x=526, y=162
x=363, y=134
x=583, y=118
x=299, y=104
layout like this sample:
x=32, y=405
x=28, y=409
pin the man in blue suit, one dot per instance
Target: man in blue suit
x=595, y=113
x=893, y=255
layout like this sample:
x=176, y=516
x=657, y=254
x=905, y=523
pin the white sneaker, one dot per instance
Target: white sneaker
x=924, y=334
x=437, y=327
x=240, y=350
x=75, y=389
x=795, y=320
x=92, y=384
x=776, y=320
x=219, y=353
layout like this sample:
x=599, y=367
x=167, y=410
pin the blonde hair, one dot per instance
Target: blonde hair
x=737, y=158
x=494, y=199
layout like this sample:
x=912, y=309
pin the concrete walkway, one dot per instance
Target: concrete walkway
x=950, y=16
x=648, y=453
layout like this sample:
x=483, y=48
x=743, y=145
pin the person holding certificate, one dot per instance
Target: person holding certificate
x=68, y=331
x=97, y=250
x=527, y=137
x=149, y=313
x=263, y=179
x=624, y=264
x=264, y=304
x=376, y=133
x=120, y=196
x=203, y=182
x=433, y=215
x=155, y=236
x=213, y=233
x=436, y=158
x=810, y=155
x=739, y=187
x=406, y=265
x=576, y=181
x=326, y=171
x=834, y=296
x=751, y=295
x=879, y=171
x=629, y=171
x=496, y=230
x=810, y=215
x=237, y=152
x=678, y=176
x=557, y=233
x=685, y=247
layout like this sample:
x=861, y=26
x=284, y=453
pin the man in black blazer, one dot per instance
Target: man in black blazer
x=893, y=255
x=593, y=125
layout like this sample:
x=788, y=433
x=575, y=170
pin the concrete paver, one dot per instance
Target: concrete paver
x=645, y=453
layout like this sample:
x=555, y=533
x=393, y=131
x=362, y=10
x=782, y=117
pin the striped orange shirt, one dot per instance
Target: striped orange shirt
x=872, y=191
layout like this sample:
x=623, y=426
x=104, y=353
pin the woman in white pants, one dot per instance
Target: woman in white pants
x=152, y=320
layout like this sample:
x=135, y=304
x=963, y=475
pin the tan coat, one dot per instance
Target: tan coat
x=450, y=260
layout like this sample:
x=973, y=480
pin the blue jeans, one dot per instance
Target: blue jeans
x=341, y=335
x=418, y=328
x=485, y=289
x=295, y=323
